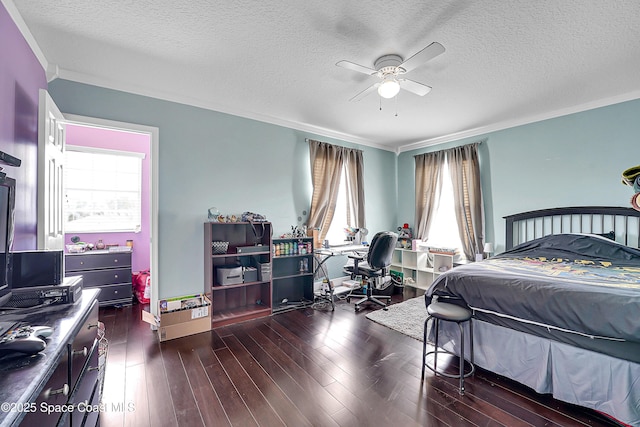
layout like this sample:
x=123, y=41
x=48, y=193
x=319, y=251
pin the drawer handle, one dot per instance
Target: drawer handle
x=92, y=326
x=115, y=260
x=93, y=368
x=81, y=262
x=115, y=276
x=64, y=391
x=83, y=352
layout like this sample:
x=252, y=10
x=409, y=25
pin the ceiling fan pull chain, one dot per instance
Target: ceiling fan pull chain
x=397, y=96
x=380, y=99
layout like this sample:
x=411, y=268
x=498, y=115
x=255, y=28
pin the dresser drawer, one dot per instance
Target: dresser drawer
x=115, y=294
x=93, y=261
x=82, y=345
x=54, y=393
x=91, y=417
x=86, y=387
x=106, y=277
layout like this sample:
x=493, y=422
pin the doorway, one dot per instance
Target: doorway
x=147, y=243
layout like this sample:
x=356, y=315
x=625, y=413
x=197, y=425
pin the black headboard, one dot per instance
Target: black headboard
x=621, y=224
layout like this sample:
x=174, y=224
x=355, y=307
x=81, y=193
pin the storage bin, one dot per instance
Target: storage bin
x=229, y=275
x=219, y=248
x=250, y=274
x=264, y=270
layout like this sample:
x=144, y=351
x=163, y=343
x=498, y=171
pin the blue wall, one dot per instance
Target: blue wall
x=213, y=159
x=574, y=160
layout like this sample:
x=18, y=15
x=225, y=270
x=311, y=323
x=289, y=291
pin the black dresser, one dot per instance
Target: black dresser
x=110, y=271
x=61, y=385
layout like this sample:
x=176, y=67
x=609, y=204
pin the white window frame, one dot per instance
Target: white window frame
x=135, y=228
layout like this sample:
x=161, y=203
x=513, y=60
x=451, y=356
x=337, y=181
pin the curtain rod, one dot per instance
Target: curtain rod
x=335, y=145
x=447, y=149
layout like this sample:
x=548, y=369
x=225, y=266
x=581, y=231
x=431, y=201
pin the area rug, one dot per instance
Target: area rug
x=406, y=317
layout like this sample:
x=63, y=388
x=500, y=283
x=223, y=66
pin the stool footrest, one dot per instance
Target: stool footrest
x=445, y=374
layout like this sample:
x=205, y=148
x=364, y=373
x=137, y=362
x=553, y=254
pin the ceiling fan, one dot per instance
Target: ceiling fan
x=390, y=68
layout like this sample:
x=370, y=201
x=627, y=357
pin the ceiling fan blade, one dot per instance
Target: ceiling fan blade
x=414, y=87
x=365, y=92
x=426, y=54
x=355, y=67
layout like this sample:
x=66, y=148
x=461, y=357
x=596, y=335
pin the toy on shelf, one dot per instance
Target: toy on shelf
x=404, y=237
x=297, y=232
x=356, y=235
x=631, y=177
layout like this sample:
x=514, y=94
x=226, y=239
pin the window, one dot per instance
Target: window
x=102, y=190
x=336, y=234
x=444, y=232
x=338, y=190
x=448, y=182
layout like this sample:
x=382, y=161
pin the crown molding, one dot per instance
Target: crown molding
x=53, y=72
x=305, y=127
x=196, y=102
x=520, y=121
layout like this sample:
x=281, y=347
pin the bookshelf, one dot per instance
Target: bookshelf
x=233, y=249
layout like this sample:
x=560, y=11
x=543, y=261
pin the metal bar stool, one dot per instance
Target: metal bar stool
x=449, y=313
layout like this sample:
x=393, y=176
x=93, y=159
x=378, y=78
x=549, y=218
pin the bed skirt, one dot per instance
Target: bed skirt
x=578, y=376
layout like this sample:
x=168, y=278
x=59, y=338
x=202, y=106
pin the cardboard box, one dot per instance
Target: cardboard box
x=180, y=316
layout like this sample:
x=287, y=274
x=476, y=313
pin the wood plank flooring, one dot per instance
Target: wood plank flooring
x=302, y=368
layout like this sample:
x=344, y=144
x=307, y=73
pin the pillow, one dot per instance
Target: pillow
x=610, y=235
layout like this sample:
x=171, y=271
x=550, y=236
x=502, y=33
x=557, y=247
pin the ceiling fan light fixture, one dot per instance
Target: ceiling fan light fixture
x=389, y=88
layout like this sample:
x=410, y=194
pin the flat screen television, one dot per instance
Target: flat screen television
x=7, y=209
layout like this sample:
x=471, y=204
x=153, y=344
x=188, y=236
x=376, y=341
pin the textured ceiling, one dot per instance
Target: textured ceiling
x=505, y=63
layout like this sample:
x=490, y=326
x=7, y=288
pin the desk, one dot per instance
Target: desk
x=341, y=249
x=321, y=256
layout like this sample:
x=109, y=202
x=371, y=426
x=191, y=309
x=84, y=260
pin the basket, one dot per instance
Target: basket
x=75, y=249
x=218, y=248
x=103, y=347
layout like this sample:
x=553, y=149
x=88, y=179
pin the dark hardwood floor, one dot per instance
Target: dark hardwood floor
x=302, y=368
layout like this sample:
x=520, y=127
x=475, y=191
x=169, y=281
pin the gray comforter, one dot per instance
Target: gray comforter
x=577, y=283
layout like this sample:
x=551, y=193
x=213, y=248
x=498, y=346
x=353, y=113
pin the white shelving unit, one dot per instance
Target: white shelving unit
x=422, y=266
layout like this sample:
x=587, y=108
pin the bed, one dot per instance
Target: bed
x=564, y=299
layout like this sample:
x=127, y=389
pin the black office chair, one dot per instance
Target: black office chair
x=376, y=266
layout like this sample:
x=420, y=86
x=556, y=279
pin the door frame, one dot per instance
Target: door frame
x=154, y=134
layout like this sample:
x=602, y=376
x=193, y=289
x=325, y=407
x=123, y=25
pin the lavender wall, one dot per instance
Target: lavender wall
x=126, y=141
x=21, y=77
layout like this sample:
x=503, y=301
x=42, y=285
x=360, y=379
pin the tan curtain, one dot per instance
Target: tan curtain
x=353, y=167
x=327, y=163
x=467, y=191
x=428, y=186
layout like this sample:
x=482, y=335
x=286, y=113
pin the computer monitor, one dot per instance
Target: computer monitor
x=7, y=208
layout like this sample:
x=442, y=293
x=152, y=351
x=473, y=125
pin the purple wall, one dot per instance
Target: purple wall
x=126, y=141
x=21, y=77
